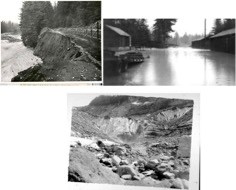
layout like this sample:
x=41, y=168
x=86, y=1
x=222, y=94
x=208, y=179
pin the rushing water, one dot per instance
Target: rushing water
x=179, y=66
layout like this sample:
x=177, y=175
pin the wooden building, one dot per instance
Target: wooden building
x=223, y=41
x=202, y=43
x=116, y=39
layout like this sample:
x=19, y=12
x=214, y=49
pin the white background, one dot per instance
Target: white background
x=34, y=129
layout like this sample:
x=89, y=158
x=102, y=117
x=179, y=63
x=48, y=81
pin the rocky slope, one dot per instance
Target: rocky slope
x=151, y=138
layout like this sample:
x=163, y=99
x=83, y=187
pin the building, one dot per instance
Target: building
x=202, y=43
x=223, y=41
x=116, y=39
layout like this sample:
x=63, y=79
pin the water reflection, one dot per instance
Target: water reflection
x=179, y=66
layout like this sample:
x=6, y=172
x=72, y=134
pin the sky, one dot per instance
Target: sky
x=10, y=11
x=189, y=25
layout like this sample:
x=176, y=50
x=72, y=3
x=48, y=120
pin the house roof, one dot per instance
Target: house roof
x=118, y=31
x=224, y=33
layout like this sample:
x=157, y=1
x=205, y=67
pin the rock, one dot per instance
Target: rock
x=183, y=174
x=162, y=167
x=135, y=163
x=165, y=158
x=116, y=160
x=84, y=167
x=179, y=183
x=114, y=169
x=99, y=142
x=152, y=164
x=184, y=147
x=169, y=175
x=124, y=162
x=171, y=163
x=93, y=146
x=126, y=177
x=148, y=173
x=106, y=161
x=142, y=162
x=186, y=162
x=185, y=183
x=99, y=156
x=120, y=151
x=154, y=144
x=126, y=169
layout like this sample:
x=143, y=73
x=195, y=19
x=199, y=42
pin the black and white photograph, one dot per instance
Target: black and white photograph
x=51, y=41
x=169, y=52
x=131, y=140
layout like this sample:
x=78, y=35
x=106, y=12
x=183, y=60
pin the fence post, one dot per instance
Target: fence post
x=97, y=30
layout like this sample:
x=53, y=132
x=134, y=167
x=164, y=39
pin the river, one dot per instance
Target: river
x=179, y=66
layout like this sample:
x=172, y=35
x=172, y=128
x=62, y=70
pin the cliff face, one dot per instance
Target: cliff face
x=129, y=118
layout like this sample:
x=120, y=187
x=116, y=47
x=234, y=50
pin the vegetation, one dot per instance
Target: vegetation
x=184, y=40
x=137, y=28
x=161, y=31
x=35, y=15
x=9, y=27
x=222, y=24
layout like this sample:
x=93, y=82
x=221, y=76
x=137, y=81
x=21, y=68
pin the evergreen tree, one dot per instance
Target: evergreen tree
x=228, y=24
x=35, y=15
x=161, y=31
x=9, y=27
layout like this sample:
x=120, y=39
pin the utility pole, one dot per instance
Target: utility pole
x=205, y=43
x=205, y=28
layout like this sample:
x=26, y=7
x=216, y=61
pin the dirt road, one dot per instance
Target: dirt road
x=15, y=57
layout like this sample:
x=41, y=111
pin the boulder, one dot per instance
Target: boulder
x=162, y=167
x=152, y=164
x=99, y=156
x=148, y=172
x=84, y=167
x=184, y=147
x=169, y=175
x=116, y=160
x=126, y=169
x=124, y=162
x=180, y=183
x=118, y=150
x=106, y=161
x=165, y=158
x=126, y=177
x=183, y=174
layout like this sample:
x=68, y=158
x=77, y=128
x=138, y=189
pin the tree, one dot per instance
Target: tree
x=161, y=31
x=9, y=27
x=34, y=16
x=228, y=24
x=218, y=26
x=76, y=13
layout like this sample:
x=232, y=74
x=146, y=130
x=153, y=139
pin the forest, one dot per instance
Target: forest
x=35, y=15
x=222, y=24
x=9, y=27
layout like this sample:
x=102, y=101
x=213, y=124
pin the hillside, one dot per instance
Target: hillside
x=145, y=129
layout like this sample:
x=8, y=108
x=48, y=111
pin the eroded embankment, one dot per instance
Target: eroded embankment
x=63, y=60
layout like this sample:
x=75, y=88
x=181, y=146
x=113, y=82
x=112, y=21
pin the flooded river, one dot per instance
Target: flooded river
x=179, y=66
